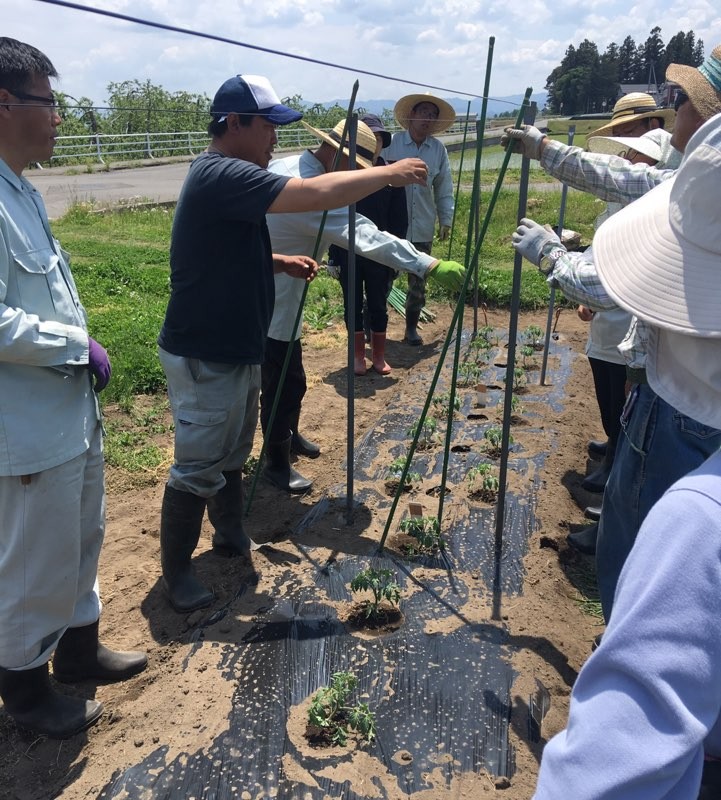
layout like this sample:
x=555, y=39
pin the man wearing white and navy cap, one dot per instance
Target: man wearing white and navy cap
x=222, y=294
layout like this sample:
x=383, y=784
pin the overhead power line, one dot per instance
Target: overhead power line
x=226, y=40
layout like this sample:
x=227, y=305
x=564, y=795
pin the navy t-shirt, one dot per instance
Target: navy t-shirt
x=221, y=262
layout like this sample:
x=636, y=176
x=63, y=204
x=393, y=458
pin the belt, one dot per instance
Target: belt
x=636, y=375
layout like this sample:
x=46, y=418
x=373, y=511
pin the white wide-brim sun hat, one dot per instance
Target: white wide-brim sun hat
x=655, y=144
x=660, y=258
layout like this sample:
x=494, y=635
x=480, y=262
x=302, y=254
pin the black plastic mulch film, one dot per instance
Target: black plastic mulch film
x=441, y=699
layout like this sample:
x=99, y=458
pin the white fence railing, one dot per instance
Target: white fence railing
x=107, y=147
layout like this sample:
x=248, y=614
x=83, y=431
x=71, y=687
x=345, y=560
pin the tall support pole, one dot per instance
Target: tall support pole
x=480, y=133
x=552, y=298
x=508, y=394
x=350, y=436
x=299, y=314
x=460, y=173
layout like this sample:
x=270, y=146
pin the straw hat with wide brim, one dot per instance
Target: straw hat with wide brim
x=403, y=111
x=702, y=84
x=656, y=144
x=634, y=106
x=659, y=259
x=365, y=141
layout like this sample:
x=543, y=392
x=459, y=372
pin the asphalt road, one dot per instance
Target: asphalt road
x=60, y=190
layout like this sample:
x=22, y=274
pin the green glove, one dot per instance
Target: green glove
x=450, y=275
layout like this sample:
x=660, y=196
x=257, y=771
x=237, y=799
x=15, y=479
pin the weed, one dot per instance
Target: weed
x=329, y=711
x=383, y=587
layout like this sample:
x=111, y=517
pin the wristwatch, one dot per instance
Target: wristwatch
x=548, y=262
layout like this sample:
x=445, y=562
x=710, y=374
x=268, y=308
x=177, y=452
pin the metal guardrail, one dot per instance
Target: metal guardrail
x=106, y=147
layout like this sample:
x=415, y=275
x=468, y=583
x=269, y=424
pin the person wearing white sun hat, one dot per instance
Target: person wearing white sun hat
x=659, y=444
x=645, y=715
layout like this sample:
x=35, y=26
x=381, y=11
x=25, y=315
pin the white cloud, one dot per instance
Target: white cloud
x=437, y=43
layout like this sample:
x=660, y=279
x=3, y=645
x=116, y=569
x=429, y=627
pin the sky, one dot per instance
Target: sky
x=435, y=43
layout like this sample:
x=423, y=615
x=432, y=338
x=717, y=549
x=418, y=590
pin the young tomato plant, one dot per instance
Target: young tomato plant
x=394, y=471
x=381, y=584
x=531, y=336
x=428, y=433
x=329, y=711
x=468, y=373
x=427, y=533
x=494, y=439
x=441, y=402
x=484, y=483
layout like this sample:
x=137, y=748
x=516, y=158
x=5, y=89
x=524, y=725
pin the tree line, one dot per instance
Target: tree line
x=140, y=106
x=587, y=81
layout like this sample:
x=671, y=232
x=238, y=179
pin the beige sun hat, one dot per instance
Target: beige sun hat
x=633, y=106
x=660, y=258
x=403, y=111
x=365, y=141
x=655, y=144
x=702, y=84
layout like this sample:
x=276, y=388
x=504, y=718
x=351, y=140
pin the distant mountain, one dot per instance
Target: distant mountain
x=496, y=105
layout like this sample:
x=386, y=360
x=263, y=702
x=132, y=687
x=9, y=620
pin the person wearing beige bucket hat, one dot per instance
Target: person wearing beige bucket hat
x=634, y=114
x=645, y=714
x=297, y=233
x=659, y=443
x=423, y=116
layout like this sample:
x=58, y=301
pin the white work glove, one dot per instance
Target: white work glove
x=534, y=241
x=526, y=140
x=443, y=231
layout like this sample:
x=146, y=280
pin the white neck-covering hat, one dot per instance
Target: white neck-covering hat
x=660, y=258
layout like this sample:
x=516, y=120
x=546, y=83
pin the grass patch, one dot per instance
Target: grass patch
x=583, y=577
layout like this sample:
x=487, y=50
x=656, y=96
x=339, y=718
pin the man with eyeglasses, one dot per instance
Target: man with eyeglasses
x=52, y=497
x=423, y=116
x=659, y=444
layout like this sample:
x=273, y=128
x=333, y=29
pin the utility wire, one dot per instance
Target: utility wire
x=226, y=40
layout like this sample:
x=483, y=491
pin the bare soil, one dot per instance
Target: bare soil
x=183, y=703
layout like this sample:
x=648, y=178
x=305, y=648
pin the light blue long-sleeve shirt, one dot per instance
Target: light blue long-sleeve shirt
x=435, y=199
x=296, y=233
x=647, y=704
x=47, y=407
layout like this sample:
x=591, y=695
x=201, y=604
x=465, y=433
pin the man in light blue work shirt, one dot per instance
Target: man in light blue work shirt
x=423, y=116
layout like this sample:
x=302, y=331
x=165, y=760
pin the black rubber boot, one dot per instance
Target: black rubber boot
x=299, y=445
x=225, y=512
x=279, y=471
x=593, y=512
x=597, y=449
x=584, y=541
x=32, y=702
x=180, y=521
x=80, y=656
x=596, y=481
x=412, y=336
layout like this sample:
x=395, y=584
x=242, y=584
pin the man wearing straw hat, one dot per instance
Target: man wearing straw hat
x=660, y=443
x=423, y=116
x=645, y=715
x=297, y=233
x=221, y=301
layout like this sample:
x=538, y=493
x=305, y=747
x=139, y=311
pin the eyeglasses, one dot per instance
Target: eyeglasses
x=679, y=100
x=48, y=102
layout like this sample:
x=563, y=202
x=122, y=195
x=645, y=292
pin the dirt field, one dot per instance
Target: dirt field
x=548, y=635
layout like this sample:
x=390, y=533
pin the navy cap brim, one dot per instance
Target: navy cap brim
x=281, y=115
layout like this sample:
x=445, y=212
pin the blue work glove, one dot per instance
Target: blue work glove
x=526, y=140
x=99, y=364
x=534, y=241
x=449, y=274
